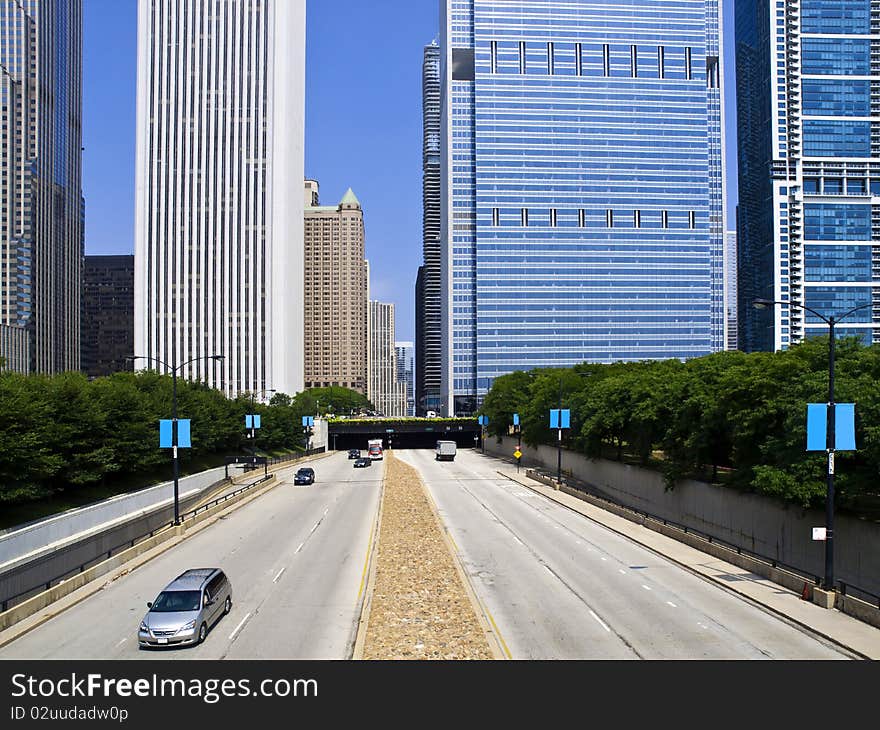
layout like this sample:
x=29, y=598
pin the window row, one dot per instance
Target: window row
x=602, y=59
x=613, y=219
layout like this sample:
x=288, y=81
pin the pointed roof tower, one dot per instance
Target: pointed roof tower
x=350, y=199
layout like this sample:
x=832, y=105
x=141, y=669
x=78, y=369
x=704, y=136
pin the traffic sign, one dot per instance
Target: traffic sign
x=517, y=454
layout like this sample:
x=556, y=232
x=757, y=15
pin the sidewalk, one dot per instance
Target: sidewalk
x=844, y=630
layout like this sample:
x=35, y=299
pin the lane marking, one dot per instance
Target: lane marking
x=299, y=548
x=647, y=588
x=547, y=568
x=275, y=579
x=604, y=558
x=122, y=642
x=315, y=527
x=622, y=571
x=601, y=622
x=235, y=630
x=366, y=561
x=326, y=511
x=671, y=604
x=498, y=633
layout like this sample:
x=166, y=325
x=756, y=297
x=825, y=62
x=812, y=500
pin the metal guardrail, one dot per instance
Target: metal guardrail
x=587, y=488
x=8, y=601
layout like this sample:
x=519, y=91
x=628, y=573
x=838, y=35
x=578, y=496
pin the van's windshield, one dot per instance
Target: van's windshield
x=169, y=601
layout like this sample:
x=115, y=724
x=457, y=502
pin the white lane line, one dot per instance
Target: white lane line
x=601, y=622
x=235, y=630
x=604, y=558
x=621, y=571
x=315, y=527
x=326, y=511
x=647, y=588
x=122, y=642
x=275, y=579
x=547, y=568
x=671, y=604
x=300, y=546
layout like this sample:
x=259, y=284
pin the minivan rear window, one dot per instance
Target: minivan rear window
x=169, y=601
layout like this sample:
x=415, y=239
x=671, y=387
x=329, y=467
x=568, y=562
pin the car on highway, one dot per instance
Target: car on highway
x=304, y=475
x=362, y=462
x=354, y=453
x=186, y=609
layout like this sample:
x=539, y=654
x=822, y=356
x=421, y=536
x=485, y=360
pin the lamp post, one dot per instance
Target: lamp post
x=831, y=321
x=174, y=369
x=253, y=435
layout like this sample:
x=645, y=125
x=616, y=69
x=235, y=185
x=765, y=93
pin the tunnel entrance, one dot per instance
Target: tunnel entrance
x=412, y=433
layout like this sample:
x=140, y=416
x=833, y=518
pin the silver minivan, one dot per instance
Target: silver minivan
x=186, y=609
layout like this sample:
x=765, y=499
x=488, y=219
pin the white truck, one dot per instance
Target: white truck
x=444, y=451
x=374, y=449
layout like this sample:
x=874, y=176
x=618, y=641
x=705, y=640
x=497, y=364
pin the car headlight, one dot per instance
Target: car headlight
x=145, y=628
x=188, y=626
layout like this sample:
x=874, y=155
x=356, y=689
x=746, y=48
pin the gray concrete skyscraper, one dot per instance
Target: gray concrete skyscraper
x=219, y=197
x=41, y=203
x=428, y=297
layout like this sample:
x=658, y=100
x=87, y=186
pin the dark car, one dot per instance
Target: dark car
x=361, y=462
x=304, y=475
x=354, y=453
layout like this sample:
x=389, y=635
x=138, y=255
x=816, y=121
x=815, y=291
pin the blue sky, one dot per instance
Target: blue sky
x=363, y=126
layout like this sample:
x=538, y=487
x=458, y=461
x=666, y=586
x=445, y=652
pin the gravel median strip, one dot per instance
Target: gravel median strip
x=420, y=608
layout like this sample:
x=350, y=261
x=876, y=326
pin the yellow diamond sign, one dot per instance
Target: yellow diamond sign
x=517, y=453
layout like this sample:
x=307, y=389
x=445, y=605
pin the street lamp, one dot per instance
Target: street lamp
x=831, y=321
x=174, y=369
x=253, y=434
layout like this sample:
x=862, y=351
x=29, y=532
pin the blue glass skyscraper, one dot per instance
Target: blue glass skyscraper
x=583, y=205
x=809, y=168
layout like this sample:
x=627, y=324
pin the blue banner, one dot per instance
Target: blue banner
x=183, y=434
x=817, y=426
x=165, y=437
x=560, y=418
x=516, y=419
x=248, y=421
x=566, y=418
x=257, y=421
x=845, y=427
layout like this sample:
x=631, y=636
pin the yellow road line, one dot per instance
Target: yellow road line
x=366, y=561
x=498, y=633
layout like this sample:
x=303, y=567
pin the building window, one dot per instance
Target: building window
x=637, y=218
x=688, y=69
x=665, y=218
x=609, y=218
x=606, y=60
x=550, y=58
x=579, y=59
x=524, y=216
x=692, y=219
x=496, y=217
x=553, y=217
x=633, y=62
x=493, y=63
x=522, y=57
x=582, y=218
x=661, y=56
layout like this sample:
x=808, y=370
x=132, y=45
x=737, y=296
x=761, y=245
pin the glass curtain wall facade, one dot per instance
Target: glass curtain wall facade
x=809, y=146
x=41, y=226
x=219, y=194
x=429, y=334
x=583, y=200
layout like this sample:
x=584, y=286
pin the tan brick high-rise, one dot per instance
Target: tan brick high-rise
x=335, y=293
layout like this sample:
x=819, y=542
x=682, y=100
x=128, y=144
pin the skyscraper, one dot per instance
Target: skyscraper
x=582, y=186
x=335, y=345
x=429, y=335
x=404, y=352
x=219, y=196
x=808, y=127
x=385, y=392
x=730, y=288
x=107, y=314
x=41, y=203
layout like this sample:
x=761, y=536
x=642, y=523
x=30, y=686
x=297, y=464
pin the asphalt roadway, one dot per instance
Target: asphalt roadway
x=295, y=557
x=557, y=585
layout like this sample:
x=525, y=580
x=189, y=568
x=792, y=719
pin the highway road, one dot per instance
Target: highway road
x=559, y=586
x=295, y=556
